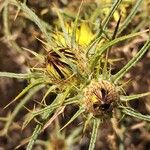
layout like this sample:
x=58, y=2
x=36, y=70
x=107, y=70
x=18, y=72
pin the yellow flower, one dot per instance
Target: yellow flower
x=83, y=33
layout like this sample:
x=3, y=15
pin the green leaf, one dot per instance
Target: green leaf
x=78, y=113
x=131, y=63
x=130, y=16
x=135, y=114
x=20, y=75
x=96, y=123
x=107, y=19
x=105, y=46
x=65, y=33
x=34, y=136
x=49, y=91
x=133, y=97
x=39, y=56
x=75, y=25
x=33, y=17
x=20, y=106
x=25, y=90
x=76, y=99
x=58, y=101
x=27, y=119
x=45, y=115
x=48, y=108
x=7, y=31
x=110, y=14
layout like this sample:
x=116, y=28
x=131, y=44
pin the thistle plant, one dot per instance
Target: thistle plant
x=76, y=67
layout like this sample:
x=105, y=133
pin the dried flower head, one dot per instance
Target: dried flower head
x=100, y=98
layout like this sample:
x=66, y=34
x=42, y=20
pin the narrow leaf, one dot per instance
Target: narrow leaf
x=136, y=114
x=34, y=136
x=73, y=37
x=39, y=56
x=133, y=97
x=20, y=106
x=20, y=75
x=7, y=31
x=58, y=101
x=27, y=119
x=33, y=17
x=48, y=92
x=96, y=123
x=110, y=14
x=59, y=111
x=103, y=48
x=80, y=111
x=132, y=62
x=65, y=33
x=130, y=16
x=107, y=19
x=25, y=90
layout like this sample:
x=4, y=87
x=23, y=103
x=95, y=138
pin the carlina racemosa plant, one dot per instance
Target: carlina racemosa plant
x=76, y=67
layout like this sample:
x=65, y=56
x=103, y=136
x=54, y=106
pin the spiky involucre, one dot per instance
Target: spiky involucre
x=100, y=97
x=58, y=68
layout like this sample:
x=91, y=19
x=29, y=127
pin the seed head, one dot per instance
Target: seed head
x=100, y=98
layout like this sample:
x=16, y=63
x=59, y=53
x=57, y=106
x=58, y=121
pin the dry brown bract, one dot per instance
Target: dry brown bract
x=100, y=98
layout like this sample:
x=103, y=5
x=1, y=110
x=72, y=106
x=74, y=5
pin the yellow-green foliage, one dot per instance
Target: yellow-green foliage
x=75, y=66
